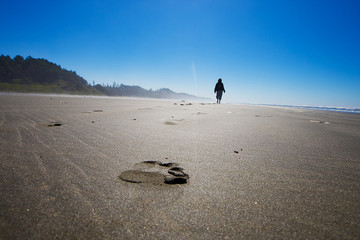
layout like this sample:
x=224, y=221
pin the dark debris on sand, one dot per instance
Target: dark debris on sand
x=54, y=124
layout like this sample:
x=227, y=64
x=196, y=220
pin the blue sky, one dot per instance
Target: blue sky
x=273, y=52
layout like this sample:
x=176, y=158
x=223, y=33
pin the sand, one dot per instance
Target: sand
x=253, y=172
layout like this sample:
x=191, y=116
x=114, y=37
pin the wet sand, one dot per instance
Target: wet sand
x=253, y=172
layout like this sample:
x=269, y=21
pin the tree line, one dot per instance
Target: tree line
x=30, y=71
x=41, y=76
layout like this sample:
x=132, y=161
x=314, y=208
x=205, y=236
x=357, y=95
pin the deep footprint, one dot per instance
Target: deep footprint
x=54, y=124
x=155, y=172
x=168, y=164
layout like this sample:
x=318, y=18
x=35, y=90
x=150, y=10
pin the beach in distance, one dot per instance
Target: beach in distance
x=126, y=168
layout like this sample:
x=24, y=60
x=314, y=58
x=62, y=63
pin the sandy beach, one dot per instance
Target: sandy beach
x=251, y=172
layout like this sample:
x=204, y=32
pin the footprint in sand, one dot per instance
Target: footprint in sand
x=54, y=124
x=155, y=172
x=172, y=121
x=316, y=121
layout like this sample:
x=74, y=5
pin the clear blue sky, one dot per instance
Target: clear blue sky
x=276, y=52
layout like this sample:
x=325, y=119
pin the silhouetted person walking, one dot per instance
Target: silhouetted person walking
x=219, y=89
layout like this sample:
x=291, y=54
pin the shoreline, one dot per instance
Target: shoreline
x=305, y=107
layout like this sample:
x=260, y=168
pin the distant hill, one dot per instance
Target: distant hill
x=136, y=91
x=41, y=76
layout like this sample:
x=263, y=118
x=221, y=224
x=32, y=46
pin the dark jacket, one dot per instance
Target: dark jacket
x=219, y=87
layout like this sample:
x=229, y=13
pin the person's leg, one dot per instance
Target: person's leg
x=219, y=95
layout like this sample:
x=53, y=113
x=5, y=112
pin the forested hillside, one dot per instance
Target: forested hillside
x=41, y=76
